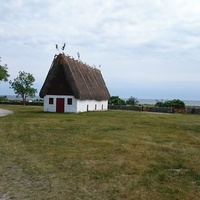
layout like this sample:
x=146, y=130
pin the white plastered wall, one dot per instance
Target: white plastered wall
x=52, y=107
x=77, y=105
x=91, y=105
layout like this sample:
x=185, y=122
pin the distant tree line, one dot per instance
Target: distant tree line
x=116, y=100
x=176, y=103
x=133, y=101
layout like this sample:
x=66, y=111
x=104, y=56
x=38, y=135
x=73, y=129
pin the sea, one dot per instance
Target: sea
x=141, y=101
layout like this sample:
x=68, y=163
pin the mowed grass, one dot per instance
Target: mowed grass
x=99, y=155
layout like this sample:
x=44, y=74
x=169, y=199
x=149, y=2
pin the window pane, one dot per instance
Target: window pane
x=69, y=101
x=50, y=100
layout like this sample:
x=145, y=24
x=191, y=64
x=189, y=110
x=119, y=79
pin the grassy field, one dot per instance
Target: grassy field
x=99, y=155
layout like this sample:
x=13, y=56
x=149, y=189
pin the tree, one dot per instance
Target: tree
x=176, y=103
x=3, y=72
x=159, y=103
x=22, y=85
x=115, y=100
x=132, y=101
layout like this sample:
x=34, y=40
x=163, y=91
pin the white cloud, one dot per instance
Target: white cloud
x=131, y=39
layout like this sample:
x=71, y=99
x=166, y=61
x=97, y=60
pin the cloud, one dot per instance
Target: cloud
x=145, y=42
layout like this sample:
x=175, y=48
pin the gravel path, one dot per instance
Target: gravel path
x=4, y=112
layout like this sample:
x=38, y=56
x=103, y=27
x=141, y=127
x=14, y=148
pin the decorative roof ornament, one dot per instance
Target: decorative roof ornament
x=63, y=47
x=79, y=57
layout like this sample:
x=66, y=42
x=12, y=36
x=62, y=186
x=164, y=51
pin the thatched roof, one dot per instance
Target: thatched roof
x=75, y=78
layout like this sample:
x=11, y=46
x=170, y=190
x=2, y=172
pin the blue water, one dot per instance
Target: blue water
x=141, y=101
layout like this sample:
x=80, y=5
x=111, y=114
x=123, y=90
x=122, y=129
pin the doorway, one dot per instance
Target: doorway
x=60, y=105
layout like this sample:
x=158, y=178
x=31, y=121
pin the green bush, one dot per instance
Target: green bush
x=3, y=98
x=132, y=101
x=176, y=103
x=115, y=100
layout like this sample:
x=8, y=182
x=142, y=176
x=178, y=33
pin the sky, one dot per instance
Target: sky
x=148, y=49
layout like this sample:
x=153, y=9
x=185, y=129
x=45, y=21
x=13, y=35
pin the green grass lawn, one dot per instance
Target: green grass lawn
x=99, y=155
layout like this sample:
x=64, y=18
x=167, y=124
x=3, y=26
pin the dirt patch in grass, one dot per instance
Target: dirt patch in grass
x=4, y=112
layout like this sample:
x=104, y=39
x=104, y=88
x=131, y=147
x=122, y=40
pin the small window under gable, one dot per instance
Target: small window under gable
x=69, y=101
x=50, y=100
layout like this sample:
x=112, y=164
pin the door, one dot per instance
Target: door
x=60, y=104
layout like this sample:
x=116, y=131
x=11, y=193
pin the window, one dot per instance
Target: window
x=69, y=101
x=50, y=100
x=95, y=106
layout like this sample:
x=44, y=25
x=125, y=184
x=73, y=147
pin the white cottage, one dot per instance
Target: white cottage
x=72, y=86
